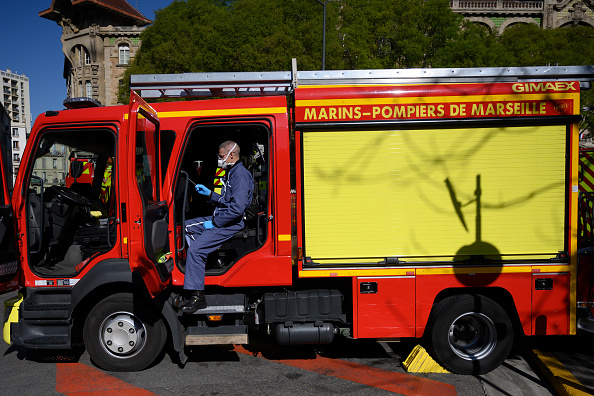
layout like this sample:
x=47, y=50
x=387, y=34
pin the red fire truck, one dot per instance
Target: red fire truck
x=388, y=204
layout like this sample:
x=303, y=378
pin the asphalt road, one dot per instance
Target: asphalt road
x=353, y=367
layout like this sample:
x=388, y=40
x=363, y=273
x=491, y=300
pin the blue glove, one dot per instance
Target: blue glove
x=207, y=225
x=200, y=189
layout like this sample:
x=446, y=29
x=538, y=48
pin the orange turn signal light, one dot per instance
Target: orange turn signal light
x=215, y=318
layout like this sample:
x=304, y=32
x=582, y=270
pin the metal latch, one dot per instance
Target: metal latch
x=368, y=287
x=543, y=284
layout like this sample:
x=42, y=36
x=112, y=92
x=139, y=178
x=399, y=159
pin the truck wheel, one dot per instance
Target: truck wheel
x=469, y=334
x=122, y=336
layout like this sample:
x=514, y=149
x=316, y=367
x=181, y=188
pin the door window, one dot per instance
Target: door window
x=154, y=213
x=199, y=165
x=146, y=161
x=69, y=217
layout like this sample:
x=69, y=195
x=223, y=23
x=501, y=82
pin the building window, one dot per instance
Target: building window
x=43, y=176
x=16, y=158
x=124, y=55
x=55, y=163
x=89, y=89
x=15, y=132
x=81, y=55
x=15, y=145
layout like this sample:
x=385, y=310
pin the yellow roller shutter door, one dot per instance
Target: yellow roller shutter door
x=413, y=193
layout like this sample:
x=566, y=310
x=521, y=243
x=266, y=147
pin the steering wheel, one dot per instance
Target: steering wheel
x=66, y=194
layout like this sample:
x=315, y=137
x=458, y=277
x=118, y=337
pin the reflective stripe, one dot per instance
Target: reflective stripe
x=586, y=171
x=218, y=180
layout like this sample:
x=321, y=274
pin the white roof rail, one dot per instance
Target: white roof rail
x=211, y=84
x=230, y=84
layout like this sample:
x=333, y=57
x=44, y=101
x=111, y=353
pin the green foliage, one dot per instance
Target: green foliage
x=587, y=101
x=239, y=35
x=261, y=35
x=472, y=46
x=395, y=34
x=528, y=45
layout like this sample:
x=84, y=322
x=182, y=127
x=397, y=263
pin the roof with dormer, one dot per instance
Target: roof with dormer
x=120, y=7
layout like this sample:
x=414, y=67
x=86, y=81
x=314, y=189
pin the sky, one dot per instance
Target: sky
x=31, y=46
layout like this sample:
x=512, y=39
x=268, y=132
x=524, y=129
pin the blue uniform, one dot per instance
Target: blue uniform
x=236, y=196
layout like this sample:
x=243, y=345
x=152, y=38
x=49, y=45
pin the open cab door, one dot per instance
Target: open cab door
x=147, y=212
x=9, y=265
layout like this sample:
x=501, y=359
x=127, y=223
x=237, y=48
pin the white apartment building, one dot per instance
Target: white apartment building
x=15, y=98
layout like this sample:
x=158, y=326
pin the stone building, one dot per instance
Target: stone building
x=548, y=14
x=99, y=39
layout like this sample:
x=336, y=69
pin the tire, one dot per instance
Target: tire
x=469, y=334
x=123, y=336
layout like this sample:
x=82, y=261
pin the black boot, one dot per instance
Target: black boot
x=195, y=302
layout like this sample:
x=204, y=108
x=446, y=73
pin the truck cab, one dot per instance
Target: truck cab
x=101, y=199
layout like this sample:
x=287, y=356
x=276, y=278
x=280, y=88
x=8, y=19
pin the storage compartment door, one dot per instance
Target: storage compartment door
x=385, y=307
x=550, y=308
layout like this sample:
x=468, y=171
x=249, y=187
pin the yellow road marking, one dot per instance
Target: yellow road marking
x=558, y=376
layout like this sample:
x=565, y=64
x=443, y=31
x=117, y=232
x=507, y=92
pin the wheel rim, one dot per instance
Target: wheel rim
x=472, y=336
x=122, y=334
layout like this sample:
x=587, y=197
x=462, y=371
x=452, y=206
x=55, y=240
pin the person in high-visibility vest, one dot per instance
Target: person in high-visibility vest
x=106, y=183
x=206, y=234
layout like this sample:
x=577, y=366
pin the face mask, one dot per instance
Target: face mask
x=222, y=161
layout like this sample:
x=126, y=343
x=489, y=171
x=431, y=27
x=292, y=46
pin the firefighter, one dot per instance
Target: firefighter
x=206, y=234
